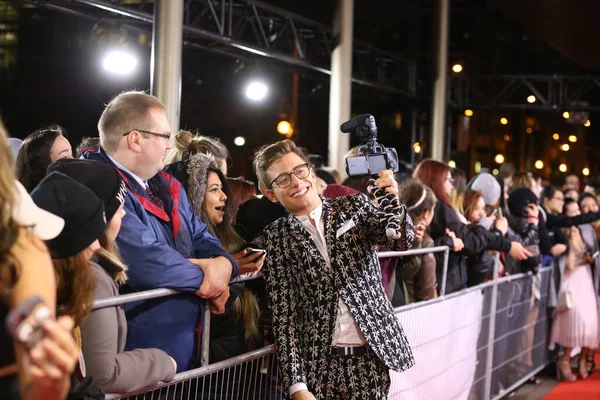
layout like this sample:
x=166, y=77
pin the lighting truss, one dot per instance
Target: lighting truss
x=552, y=92
x=242, y=28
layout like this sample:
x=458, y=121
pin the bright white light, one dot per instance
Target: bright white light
x=239, y=141
x=452, y=164
x=562, y=167
x=256, y=91
x=539, y=164
x=119, y=62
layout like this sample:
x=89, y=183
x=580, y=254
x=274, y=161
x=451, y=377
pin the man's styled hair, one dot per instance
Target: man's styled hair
x=270, y=153
x=126, y=112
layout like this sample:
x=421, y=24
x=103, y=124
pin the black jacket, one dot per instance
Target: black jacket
x=528, y=235
x=475, y=238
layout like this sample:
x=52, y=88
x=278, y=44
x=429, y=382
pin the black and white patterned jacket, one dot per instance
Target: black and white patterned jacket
x=304, y=294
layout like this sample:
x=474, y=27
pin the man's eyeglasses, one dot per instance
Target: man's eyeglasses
x=559, y=198
x=165, y=136
x=284, y=180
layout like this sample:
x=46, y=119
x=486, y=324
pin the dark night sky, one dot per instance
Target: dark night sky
x=58, y=79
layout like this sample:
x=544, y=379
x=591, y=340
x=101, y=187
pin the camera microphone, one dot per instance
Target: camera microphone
x=362, y=121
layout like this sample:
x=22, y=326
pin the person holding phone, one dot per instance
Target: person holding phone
x=208, y=193
x=43, y=369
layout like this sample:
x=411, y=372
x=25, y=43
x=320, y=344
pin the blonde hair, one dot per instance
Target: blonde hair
x=521, y=179
x=9, y=229
x=186, y=144
x=270, y=153
x=110, y=251
x=126, y=112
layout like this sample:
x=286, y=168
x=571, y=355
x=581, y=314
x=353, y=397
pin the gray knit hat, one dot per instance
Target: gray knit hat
x=488, y=186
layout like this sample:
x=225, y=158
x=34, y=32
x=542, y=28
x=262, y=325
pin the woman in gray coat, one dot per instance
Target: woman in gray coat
x=103, y=336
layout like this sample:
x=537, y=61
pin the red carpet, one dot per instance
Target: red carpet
x=580, y=390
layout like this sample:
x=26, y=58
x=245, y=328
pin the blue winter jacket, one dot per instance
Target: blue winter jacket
x=156, y=245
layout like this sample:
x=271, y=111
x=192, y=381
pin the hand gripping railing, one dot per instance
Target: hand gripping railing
x=156, y=293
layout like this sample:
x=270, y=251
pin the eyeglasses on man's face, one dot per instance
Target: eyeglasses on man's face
x=165, y=136
x=284, y=180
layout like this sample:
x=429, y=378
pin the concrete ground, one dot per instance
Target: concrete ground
x=535, y=392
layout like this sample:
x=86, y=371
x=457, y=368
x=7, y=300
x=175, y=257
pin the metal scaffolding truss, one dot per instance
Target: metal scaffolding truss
x=552, y=92
x=250, y=28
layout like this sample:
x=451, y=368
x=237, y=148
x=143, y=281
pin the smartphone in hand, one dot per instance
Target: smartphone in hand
x=24, y=322
x=253, y=251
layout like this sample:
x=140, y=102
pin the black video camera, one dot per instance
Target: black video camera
x=373, y=157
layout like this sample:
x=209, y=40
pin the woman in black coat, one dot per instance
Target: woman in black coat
x=446, y=225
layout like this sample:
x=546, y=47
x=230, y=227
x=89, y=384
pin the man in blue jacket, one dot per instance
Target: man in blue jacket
x=162, y=241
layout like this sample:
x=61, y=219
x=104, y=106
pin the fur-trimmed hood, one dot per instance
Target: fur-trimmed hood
x=193, y=175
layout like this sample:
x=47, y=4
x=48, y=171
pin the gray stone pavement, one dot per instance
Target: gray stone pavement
x=535, y=392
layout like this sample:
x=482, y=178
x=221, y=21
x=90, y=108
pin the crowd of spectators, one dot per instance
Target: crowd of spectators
x=140, y=208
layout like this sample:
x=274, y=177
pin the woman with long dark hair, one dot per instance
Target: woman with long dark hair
x=38, y=151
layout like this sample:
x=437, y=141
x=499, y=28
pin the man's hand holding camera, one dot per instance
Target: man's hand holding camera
x=385, y=180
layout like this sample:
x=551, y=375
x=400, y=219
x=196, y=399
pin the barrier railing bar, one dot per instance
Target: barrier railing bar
x=163, y=292
x=481, y=286
x=133, y=297
x=203, y=371
x=519, y=329
x=205, y=336
x=412, y=252
x=487, y=394
x=521, y=354
x=445, y=273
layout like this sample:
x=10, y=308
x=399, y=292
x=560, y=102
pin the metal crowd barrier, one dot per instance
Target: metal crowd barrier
x=511, y=345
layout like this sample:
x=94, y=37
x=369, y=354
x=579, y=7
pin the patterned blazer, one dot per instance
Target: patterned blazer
x=304, y=293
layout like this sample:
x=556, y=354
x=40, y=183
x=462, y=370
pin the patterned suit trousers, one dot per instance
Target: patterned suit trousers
x=354, y=377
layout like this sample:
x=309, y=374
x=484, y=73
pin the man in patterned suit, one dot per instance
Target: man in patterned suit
x=335, y=330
